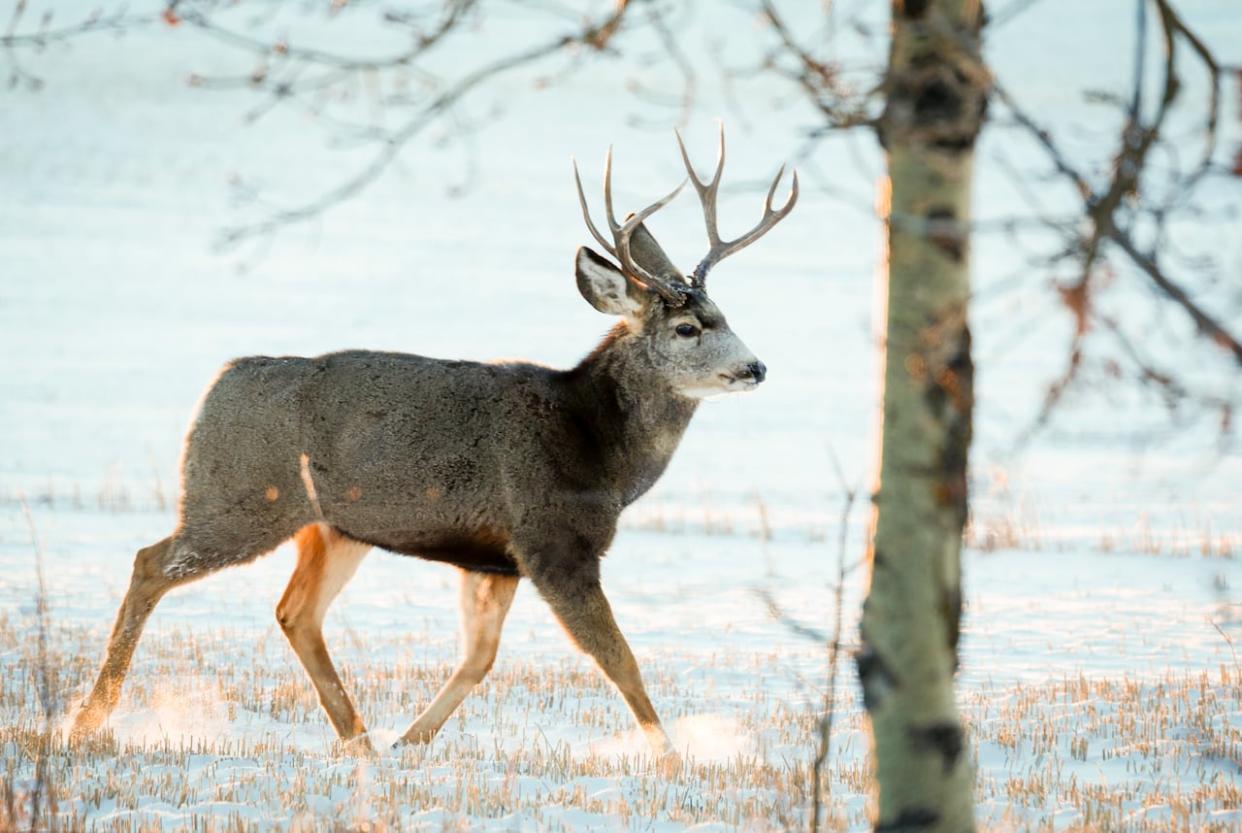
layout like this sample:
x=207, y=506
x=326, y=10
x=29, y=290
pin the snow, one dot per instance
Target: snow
x=1097, y=672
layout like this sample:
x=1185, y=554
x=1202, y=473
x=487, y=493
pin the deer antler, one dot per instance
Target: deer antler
x=621, y=233
x=720, y=249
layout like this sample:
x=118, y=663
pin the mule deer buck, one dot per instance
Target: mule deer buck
x=504, y=470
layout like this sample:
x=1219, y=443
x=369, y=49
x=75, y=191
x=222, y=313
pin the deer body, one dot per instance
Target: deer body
x=445, y=460
x=506, y=470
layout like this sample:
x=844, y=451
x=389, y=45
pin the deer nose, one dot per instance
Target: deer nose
x=757, y=370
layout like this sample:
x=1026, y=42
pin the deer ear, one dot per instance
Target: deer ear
x=604, y=286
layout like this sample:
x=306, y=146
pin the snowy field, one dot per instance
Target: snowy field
x=1100, y=674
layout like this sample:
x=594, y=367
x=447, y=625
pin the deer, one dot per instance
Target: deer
x=504, y=470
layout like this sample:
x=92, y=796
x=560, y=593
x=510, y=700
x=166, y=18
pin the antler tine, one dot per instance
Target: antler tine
x=720, y=249
x=633, y=221
x=608, y=212
x=621, y=233
x=586, y=213
x=706, y=190
x=770, y=217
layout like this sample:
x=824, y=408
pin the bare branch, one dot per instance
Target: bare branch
x=12, y=41
x=1173, y=23
x=1207, y=324
x=1103, y=209
x=595, y=35
x=680, y=61
x=422, y=44
x=819, y=80
x=97, y=22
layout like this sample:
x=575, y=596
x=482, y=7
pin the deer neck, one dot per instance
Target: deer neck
x=637, y=419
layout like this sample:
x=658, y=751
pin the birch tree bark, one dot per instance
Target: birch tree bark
x=936, y=95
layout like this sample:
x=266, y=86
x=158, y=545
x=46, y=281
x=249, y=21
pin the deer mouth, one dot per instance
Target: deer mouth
x=733, y=382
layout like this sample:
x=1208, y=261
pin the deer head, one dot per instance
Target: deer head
x=674, y=325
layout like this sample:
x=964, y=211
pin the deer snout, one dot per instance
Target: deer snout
x=756, y=372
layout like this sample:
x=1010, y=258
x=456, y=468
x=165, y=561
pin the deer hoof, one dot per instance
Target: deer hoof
x=420, y=737
x=359, y=746
x=86, y=721
x=668, y=765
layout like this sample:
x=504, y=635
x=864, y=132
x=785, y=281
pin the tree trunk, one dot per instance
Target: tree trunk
x=936, y=95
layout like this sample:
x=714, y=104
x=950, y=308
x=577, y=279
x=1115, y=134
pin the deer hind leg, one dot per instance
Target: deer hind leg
x=326, y=562
x=572, y=589
x=485, y=601
x=148, y=584
x=187, y=555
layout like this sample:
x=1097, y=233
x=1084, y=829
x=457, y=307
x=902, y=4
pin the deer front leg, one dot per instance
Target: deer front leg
x=485, y=601
x=574, y=593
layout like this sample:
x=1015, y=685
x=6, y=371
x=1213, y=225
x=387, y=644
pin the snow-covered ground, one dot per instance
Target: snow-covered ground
x=1099, y=675
x=1096, y=687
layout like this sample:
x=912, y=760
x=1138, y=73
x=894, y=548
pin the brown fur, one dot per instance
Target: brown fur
x=147, y=586
x=326, y=562
x=485, y=601
x=504, y=470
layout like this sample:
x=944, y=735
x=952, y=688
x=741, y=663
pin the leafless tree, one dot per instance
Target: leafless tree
x=1134, y=200
x=1116, y=214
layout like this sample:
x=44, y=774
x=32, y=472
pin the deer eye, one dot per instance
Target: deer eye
x=687, y=330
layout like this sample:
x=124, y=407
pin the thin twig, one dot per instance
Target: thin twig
x=834, y=648
x=1105, y=210
x=596, y=35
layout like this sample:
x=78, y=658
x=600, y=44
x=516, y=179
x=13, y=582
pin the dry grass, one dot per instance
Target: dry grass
x=237, y=740
x=1119, y=754
x=219, y=731
x=1026, y=530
